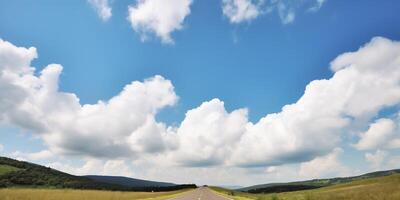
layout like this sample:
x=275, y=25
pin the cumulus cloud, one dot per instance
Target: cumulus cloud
x=363, y=83
x=376, y=159
x=35, y=156
x=158, y=17
x=382, y=160
x=102, y=8
x=379, y=133
x=324, y=166
x=327, y=108
x=209, y=134
x=96, y=167
x=241, y=10
x=104, y=129
x=393, y=162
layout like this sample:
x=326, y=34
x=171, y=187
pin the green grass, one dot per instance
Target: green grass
x=68, y=194
x=4, y=169
x=315, y=183
x=381, y=188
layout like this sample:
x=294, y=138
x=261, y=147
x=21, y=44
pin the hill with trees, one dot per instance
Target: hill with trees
x=14, y=173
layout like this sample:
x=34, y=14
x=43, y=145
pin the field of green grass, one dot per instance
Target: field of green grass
x=381, y=188
x=4, y=169
x=68, y=194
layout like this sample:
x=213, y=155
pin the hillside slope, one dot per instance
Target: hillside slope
x=14, y=173
x=129, y=182
x=313, y=184
x=373, y=188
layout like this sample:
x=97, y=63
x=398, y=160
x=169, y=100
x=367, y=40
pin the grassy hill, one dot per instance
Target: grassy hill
x=129, y=182
x=14, y=173
x=386, y=187
x=313, y=184
x=4, y=169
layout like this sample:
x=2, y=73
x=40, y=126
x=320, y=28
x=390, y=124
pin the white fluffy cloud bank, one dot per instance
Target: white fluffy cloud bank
x=364, y=82
x=158, y=17
x=102, y=8
x=107, y=128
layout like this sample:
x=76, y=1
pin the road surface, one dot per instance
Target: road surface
x=202, y=193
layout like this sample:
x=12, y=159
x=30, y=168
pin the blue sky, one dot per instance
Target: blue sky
x=261, y=64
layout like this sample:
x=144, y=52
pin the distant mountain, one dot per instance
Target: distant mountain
x=129, y=182
x=14, y=173
x=312, y=184
x=231, y=187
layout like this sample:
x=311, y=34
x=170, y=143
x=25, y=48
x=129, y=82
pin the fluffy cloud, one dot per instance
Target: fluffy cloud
x=158, y=17
x=363, y=83
x=102, y=8
x=325, y=166
x=96, y=167
x=327, y=108
x=35, y=156
x=379, y=133
x=241, y=10
x=382, y=160
x=209, y=134
x=376, y=159
x=104, y=129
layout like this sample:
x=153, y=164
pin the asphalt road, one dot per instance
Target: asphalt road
x=202, y=193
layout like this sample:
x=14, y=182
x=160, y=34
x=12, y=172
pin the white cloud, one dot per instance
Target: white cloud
x=393, y=162
x=377, y=135
x=35, y=156
x=241, y=10
x=376, y=159
x=209, y=134
x=103, y=129
x=318, y=4
x=158, y=17
x=96, y=167
x=102, y=8
x=1, y=147
x=286, y=13
x=382, y=160
x=324, y=166
x=125, y=127
x=311, y=127
x=327, y=108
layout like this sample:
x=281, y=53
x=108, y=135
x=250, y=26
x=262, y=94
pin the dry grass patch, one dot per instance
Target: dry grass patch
x=67, y=194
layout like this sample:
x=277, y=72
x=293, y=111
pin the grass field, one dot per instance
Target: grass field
x=67, y=194
x=4, y=169
x=382, y=188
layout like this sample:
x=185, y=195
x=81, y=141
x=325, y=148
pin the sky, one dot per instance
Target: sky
x=226, y=92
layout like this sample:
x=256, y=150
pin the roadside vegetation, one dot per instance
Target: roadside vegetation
x=380, y=188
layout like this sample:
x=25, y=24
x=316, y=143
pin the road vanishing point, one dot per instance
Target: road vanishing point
x=202, y=193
